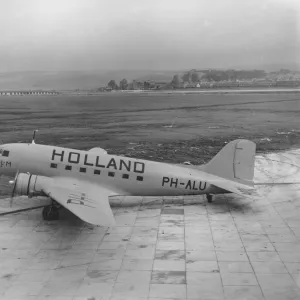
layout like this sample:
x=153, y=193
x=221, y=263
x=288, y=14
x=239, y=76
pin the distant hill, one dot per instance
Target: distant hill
x=70, y=80
x=48, y=80
x=89, y=80
x=216, y=75
x=157, y=76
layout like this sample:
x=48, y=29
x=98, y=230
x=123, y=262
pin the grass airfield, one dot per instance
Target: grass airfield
x=162, y=248
x=163, y=127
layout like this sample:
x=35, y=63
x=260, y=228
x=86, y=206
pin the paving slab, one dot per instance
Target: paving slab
x=162, y=247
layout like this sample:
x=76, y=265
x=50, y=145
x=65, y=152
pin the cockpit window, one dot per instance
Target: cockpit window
x=5, y=153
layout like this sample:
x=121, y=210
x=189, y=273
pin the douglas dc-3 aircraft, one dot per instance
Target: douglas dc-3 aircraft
x=82, y=181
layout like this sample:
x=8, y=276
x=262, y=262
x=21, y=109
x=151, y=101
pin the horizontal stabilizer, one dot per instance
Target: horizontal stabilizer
x=228, y=185
x=232, y=186
x=275, y=183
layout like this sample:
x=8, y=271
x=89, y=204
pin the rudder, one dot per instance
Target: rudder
x=234, y=162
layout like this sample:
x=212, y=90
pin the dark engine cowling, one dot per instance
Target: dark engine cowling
x=29, y=185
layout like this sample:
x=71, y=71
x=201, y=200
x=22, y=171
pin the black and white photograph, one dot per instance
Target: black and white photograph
x=149, y=150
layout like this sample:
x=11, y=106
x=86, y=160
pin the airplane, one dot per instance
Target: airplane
x=82, y=181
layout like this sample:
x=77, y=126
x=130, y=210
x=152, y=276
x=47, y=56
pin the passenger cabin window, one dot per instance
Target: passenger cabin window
x=111, y=174
x=69, y=168
x=139, y=178
x=82, y=170
x=125, y=176
x=97, y=172
x=52, y=165
x=5, y=153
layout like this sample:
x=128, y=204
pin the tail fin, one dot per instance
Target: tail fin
x=234, y=162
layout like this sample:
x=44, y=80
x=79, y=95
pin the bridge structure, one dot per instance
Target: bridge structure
x=26, y=93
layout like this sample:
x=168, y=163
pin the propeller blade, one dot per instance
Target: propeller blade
x=14, y=182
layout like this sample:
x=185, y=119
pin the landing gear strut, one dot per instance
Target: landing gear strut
x=209, y=198
x=51, y=212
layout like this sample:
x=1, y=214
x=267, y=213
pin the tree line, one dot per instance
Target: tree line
x=190, y=77
x=195, y=76
x=134, y=85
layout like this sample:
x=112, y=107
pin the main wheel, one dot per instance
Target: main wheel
x=50, y=213
x=209, y=198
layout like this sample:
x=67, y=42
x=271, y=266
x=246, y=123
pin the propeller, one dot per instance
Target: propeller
x=14, y=183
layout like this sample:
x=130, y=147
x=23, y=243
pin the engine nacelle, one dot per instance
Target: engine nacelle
x=29, y=185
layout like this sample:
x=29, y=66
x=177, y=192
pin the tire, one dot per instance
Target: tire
x=46, y=213
x=209, y=198
x=50, y=213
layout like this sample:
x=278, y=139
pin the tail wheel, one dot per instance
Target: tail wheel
x=209, y=198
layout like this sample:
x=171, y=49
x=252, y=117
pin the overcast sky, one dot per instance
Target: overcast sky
x=143, y=34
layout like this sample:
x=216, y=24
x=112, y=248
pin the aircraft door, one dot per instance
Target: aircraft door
x=6, y=163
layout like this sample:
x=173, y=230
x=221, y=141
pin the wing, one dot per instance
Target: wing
x=87, y=201
x=98, y=150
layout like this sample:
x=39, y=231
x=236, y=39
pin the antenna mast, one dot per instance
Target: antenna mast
x=33, y=136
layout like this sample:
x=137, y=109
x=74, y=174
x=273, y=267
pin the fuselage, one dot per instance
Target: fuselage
x=124, y=175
